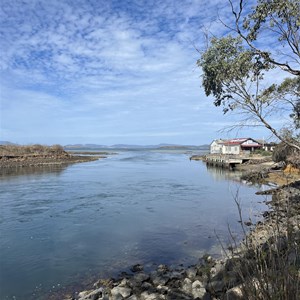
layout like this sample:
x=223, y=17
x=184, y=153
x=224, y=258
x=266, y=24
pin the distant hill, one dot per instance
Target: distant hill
x=84, y=146
x=7, y=143
x=126, y=146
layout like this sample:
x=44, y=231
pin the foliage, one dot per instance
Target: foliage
x=262, y=152
x=235, y=68
x=36, y=149
x=281, y=20
x=281, y=152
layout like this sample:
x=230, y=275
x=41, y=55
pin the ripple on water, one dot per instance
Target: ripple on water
x=102, y=217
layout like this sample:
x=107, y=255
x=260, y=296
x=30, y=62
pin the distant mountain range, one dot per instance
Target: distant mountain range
x=126, y=146
x=7, y=143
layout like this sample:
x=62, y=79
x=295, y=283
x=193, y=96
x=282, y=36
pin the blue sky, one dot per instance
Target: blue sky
x=107, y=72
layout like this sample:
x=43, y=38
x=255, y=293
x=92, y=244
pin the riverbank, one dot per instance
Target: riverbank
x=262, y=170
x=38, y=155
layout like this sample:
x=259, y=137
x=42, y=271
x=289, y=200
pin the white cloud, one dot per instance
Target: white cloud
x=105, y=69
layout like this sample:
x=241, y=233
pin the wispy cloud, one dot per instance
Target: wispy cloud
x=97, y=69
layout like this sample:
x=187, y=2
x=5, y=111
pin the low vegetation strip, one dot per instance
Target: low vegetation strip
x=38, y=155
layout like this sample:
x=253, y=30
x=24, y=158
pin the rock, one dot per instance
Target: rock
x=124, y=283
x=191, y=273
x=216, y=287
x=198, y=289
x=208, y=259
x=133, y=297
x=137, y=268
x=123, y=291
x=160, y=280
x=116, y=297
x=162, y=269
x=178, y=295
x=147, y=286
x=91, y=295
x=141, y=277
x=174, y=275
x=234, y=293
x=83, y=294
x=187, y=286
x=163, y=289
x=152, y=296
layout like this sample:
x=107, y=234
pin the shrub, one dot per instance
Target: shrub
x=267, y=263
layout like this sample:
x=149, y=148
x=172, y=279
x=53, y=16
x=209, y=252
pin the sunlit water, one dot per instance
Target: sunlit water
x=60, y=226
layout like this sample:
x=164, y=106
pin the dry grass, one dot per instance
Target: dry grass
x=267, y=263
x=31, y=150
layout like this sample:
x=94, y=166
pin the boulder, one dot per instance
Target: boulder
x=191, y=273
x=187, y=286
x=234, y=293
x=198, y=289
x=123, y=291
x=91, y=295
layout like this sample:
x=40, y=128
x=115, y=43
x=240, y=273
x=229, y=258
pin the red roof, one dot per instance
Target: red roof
x=239, y=141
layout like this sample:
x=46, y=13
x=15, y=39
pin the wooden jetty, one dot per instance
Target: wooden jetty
x=225, y=161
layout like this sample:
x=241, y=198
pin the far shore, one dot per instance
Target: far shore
x=38, y=155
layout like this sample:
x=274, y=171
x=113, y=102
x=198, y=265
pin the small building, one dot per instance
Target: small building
x=234, y=146
x=267, y=146
x=216, y=146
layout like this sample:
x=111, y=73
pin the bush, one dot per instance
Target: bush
x=267, y=263
x=285, y=153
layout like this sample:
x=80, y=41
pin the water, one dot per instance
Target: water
x=60, y=226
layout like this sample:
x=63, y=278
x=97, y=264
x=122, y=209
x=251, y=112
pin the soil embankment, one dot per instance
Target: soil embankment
x=37, y=155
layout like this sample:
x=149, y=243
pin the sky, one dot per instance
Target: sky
x=108, y=72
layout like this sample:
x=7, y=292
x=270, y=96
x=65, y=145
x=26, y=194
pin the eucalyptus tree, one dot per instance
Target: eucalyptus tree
x=236, y=67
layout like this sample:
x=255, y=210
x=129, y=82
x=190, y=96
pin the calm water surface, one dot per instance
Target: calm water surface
x=59, y=226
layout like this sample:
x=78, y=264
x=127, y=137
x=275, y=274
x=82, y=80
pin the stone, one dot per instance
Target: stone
x=123, y=291
x=234, y=293
x=163, y=289
x=152, y=296
x=83, y=294
x=191, y=273
x=147, y=286
x=162, y=269
x=178, y=295
x=133, y=297
x=216, y=287
x=116, y=297
x=158, y=278
x=187, y=286
x=137, y=268
x=198, y=289
x=91, y=295
x=174, y=275
x=140, y=277
x=124, y=283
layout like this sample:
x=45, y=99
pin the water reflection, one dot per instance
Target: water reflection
x=223, y=174
x=61, y=224
x=6, y=173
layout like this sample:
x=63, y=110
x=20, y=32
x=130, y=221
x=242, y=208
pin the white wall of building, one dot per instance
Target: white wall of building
x=232, y=149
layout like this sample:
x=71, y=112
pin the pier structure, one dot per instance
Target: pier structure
x=225, y=161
